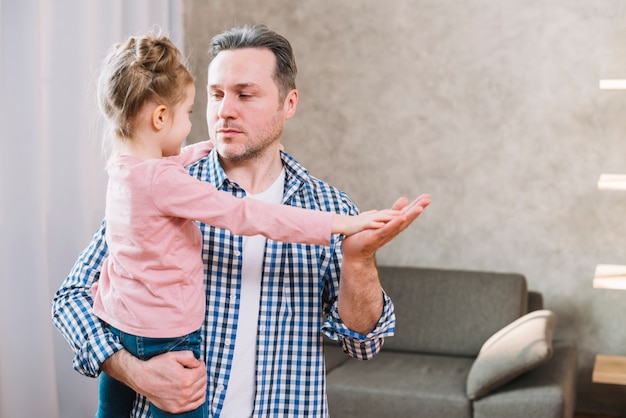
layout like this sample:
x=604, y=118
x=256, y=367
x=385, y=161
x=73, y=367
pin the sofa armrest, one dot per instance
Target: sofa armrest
x=535, y=301
x=514, y=350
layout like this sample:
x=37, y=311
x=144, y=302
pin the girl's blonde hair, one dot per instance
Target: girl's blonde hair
x=140, y=70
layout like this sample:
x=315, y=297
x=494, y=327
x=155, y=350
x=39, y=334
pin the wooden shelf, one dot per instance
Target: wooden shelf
x=610, y=276
x=613, y=84
x=612, y=182
x=609, y=369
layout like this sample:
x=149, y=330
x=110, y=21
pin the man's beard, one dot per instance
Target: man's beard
x=252, y=149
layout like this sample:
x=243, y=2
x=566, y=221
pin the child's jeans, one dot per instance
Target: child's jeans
x=115, y=399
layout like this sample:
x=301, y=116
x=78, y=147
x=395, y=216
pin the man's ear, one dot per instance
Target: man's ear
x=159, y=117
x=291, y=103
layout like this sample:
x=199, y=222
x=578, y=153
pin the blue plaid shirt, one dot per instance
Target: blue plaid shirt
x=298, y=303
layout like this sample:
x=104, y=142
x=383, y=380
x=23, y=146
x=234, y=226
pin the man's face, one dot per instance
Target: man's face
x=244, y=114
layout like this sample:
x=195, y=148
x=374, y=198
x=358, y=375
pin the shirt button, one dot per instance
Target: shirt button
x=233, y=298
x=227, y=341
x=237, y=253
x=220, y=388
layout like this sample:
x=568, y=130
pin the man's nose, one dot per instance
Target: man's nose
x=227, y=108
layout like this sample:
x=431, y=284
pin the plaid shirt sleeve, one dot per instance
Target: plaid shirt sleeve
x=90, y=340
x=359, y=346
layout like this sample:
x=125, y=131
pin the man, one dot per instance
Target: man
x=268, y=303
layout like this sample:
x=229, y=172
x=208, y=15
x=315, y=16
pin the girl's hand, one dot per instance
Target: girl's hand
x=373, y=219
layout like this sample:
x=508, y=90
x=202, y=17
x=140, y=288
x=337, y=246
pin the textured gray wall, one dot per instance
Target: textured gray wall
x=493, y=108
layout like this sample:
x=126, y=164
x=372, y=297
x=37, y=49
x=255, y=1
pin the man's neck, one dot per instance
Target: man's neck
x=254, y=176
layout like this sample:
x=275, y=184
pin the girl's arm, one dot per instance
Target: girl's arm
x=192, y=153
x=176, y=194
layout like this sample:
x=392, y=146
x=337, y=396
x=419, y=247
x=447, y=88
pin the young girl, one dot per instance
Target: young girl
x=150, y=291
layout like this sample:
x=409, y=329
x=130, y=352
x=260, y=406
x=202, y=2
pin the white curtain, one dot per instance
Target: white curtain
x=52, y=181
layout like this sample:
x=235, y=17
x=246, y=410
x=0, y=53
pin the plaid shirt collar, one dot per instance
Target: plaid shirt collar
x=295, y=174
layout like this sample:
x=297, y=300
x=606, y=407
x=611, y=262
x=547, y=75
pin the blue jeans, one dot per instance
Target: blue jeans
x=115, y=399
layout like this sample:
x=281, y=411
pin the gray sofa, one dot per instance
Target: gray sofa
x=467, y=344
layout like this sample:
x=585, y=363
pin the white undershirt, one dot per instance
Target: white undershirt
x=239, y=402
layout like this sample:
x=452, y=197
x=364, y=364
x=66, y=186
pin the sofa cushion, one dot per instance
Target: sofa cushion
x=400, y=385
x=549, y=391
x=450, y=312
x=514, y=350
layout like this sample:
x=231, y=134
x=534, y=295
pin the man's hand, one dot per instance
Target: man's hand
x=360, y=302
x=174, y=382
x=363, y=246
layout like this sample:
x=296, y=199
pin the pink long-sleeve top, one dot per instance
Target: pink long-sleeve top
x=151, y=282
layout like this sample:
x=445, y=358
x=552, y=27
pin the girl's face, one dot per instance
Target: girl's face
x=180, y=125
